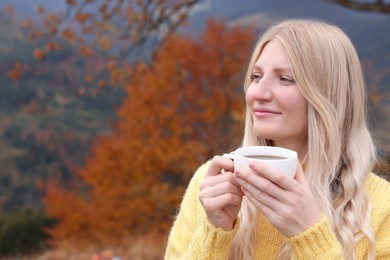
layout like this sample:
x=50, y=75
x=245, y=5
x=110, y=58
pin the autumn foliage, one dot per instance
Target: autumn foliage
x=115, y=28
x=180, y=110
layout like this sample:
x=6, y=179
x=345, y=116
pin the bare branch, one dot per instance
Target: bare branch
x=378, y=7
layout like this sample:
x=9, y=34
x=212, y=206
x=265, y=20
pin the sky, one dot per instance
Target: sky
x=233, y=9
x=28, y=7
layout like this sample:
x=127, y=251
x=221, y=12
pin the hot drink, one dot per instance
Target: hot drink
x=265, y=157
x=282, y=159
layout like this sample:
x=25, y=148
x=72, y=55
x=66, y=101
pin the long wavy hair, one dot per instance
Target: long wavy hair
x=340, y=152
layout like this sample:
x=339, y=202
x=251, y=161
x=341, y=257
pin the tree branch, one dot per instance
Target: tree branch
x=377, y=7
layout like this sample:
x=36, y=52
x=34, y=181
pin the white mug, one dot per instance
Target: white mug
x=282, y=159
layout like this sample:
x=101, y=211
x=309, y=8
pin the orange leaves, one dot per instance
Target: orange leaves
x=88, y=78
x=68, y=35
x=132, y=16
x=81, y=91
x=86, y=50
x=52, y=46
x=82, y=17
x=16, y=72
x=181, y=107
x=103, y=8
x=10, y=9
x=73, y=212
x=102, y=83
x=39, y=54
x=156, y=139
x=117, y=74
x=35, y=35
x=87, y=29
x=114, y=29
x=104, y=42
x=71, y=3
x=27, y=23
x=40, y=10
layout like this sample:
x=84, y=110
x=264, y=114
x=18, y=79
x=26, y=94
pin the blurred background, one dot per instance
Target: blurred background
x=107, y=107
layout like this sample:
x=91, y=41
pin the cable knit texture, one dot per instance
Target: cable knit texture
x=192, y=237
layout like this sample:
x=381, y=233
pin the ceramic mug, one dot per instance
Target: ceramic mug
x=282, y=159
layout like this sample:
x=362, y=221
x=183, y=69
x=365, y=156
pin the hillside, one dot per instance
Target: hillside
x=46, y=126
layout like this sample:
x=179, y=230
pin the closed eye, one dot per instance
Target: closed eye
x=287, y=80
x=256, y=77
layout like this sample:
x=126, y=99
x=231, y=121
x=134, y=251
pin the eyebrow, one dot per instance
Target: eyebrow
x=283, y=70
x=278, y=70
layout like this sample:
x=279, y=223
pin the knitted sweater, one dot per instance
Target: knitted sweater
x=192, y=237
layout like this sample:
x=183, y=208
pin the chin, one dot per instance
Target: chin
x=269, y=135
x=266, y=130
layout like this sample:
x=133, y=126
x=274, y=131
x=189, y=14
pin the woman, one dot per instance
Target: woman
x=304, y=91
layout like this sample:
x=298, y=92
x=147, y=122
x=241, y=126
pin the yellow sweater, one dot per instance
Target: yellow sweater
x=192, y=237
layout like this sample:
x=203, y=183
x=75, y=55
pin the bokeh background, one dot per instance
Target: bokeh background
x=107, y=107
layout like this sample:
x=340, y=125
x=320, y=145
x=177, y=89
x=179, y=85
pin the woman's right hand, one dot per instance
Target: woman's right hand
x=220, y=194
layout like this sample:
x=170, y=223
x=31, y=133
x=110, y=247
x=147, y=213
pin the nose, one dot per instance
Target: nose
x=260, y=90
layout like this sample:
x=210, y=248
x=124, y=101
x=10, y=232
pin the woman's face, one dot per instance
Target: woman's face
x=278, y=109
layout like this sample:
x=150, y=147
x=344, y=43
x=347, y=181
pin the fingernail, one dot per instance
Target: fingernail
x=229, y=155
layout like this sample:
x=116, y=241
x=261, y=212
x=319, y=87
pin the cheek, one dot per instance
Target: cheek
x=300, y=115
x=293, y=100
x=249, y=96
x=297, y=105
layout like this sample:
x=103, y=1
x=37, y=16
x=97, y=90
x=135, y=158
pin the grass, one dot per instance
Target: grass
x=145, y=247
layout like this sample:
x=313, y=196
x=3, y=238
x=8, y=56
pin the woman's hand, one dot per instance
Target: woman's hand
x=286, y=202
x=220, y=194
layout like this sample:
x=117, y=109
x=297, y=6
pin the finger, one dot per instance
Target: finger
x=259, y=203
x=219, y=163
x=272, y=216
x=263, y=190
x=257, y=185
x=279, y=178
x=217, y=203
x=210, y=181
x=274, y=210
x=220, y=189
x=229, y=155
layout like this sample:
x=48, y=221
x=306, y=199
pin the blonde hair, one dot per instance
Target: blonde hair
x=340, y=152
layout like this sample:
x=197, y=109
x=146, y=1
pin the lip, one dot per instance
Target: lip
x=264, y=112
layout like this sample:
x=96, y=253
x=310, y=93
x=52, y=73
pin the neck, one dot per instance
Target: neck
x=299, y=146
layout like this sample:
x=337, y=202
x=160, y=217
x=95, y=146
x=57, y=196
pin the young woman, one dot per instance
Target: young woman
x=304, y=91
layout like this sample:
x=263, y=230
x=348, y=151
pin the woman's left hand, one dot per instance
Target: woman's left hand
x=286, y=202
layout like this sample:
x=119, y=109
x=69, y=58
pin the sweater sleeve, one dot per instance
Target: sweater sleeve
x=379, y=192
x=318, y=242
x=383, y=240
x=192, y=236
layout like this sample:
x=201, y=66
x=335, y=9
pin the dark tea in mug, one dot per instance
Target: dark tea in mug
x=265, y=157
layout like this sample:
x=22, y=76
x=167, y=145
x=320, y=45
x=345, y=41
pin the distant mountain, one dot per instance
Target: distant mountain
x=46, y=126
x=274, y=10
